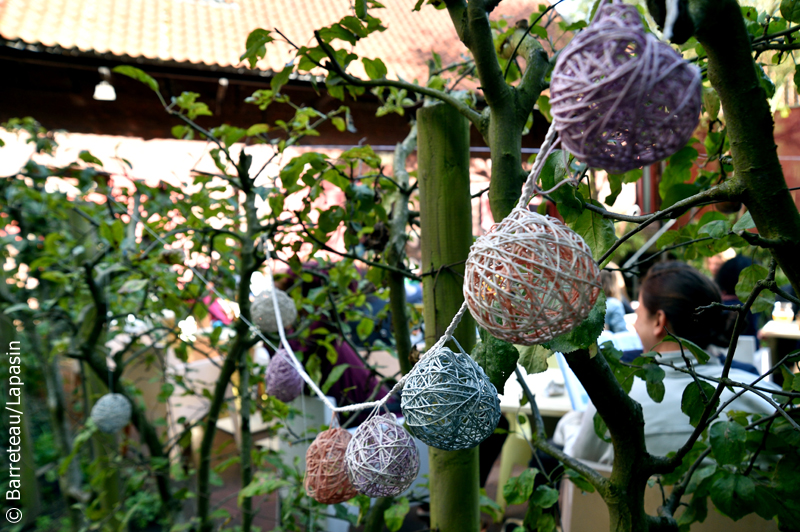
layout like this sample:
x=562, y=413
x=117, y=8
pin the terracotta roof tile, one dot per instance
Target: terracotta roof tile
x=213, y=32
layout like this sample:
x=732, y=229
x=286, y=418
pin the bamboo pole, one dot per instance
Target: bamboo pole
x=446, y=224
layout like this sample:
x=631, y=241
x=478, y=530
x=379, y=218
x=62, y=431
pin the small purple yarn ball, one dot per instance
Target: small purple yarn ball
x=282, y=379
x=620, y=98
x=382, y=459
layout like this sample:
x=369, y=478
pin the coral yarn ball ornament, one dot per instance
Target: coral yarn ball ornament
x=620, y=98
x=111, y=413
x=382, y=459
x=326, y=478
x=448, y=401
x=282, y=379
x=530, y=279
x=263, y=311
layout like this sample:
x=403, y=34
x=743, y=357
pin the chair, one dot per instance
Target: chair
x=516, y=451
x=586, y=512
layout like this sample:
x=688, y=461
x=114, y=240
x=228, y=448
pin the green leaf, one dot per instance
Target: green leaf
x=365, y=328
x=747, y=282
x=596, y=230
x=693, y=403
x=744, y=223
x=585, y=334
x=138, y=75
x=263, y=483
x=711, y=102
x=533, y=358
x=600, y=428
x=339, y=123
x=546, y=523
x=497, y=358
x=519, y=489
x=715, y=229
x=374, y=68
x=656, y=391
x=280, y=79
x=728, y=442
x=786, y=477
x=679, y=192
x=187, y=102
x=678, y=171
x=616, y=181
x=87, y=157
x=133, y=285
x=334, y=376
x=734, y=495
x=182, y=132
x=698, y=352
x=396, y=514
x=696, y=511
x=490, y=507
x=256, y=46
x=543, y=103
x=257, y=129
x=580, y=482
x=361, y=9
x=764, y=80
x=544, y=496
x=82, y=437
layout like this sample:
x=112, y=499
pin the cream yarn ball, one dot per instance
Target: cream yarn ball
x=111, y=412
x=530, y=279
x=263, y=311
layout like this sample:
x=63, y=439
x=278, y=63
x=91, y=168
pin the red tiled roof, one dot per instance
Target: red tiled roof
x=213, y=33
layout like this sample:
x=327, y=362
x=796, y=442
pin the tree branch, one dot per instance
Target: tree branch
x=726, y=191
x=334, y=66
x=539, y=440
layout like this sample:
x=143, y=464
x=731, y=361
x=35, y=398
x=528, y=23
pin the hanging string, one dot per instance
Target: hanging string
x=671, y=18
x=529, y=189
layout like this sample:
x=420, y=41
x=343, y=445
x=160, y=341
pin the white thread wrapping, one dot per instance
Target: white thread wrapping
x=530, y=279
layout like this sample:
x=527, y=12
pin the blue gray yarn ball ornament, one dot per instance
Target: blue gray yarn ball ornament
x=448, y=401
x=111, y=413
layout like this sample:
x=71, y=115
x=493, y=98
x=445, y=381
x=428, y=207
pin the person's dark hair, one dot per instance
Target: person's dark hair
x=678, y=290
x=728, y=274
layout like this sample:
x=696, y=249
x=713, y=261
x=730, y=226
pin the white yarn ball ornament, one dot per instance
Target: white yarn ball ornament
x=111, y=412
x=263, y=311
x=530, y=279
x=381, y=459
x=448, y=401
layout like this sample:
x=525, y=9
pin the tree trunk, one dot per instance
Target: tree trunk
x=750, y=128
x=446, y=222
x=396, y=252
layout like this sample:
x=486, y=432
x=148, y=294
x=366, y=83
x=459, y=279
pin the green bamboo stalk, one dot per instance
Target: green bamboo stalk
x=446, y=223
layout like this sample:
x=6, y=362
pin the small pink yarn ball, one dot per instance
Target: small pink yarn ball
x=530, y=278
x=620, y=98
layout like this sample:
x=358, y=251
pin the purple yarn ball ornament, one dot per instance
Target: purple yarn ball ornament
x=382, y=459
x=620, y=98
x=282, y=379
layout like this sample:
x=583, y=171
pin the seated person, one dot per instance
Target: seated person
x=668, y=297
x=615, y=310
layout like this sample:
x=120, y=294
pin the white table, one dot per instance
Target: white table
x=789, y=330
x=549, y=406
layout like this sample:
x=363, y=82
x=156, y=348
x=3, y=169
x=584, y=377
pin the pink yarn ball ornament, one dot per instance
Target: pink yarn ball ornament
x=530, y=279
x=620, y=98
x=282, y=379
